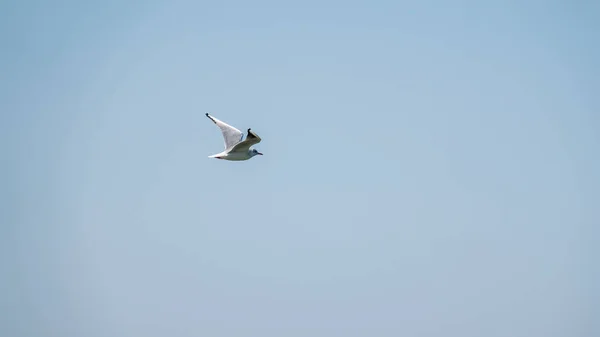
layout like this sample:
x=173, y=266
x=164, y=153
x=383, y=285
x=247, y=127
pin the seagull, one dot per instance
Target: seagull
x=235, y=148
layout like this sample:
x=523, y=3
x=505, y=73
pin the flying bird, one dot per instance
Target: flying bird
x=235, y=148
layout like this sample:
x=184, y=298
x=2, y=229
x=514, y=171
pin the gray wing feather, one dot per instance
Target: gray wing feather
x=251, y=139
x=231, y=135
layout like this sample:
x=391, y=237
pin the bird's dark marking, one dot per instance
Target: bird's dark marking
x=209, y=117
x=250, y=134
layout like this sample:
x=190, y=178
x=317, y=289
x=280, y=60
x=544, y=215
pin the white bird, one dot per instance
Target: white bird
x=235, y=148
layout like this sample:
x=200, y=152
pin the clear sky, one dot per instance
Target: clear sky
x=430, y=168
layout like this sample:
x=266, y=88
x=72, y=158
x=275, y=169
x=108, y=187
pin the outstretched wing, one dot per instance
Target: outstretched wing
x=231, y=135
x=251, y=139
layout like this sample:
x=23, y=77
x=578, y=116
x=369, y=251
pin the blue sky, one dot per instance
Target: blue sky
x=430, y=168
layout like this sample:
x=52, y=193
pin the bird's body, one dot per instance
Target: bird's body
x=236, y=149
x=233, y=156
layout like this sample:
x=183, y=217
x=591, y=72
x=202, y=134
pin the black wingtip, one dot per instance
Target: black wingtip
x=251, y=134
x=209, y=117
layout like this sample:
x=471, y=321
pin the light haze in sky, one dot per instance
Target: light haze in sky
x=430, y=168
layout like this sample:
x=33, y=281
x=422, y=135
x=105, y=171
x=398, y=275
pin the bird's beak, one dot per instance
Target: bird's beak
x=259, y=153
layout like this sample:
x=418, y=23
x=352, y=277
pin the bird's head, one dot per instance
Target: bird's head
x=254, y=152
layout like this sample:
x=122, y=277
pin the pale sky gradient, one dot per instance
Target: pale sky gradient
x=431, y=168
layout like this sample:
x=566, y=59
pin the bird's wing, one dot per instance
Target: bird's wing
x=251, y=139
x=231, y=135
